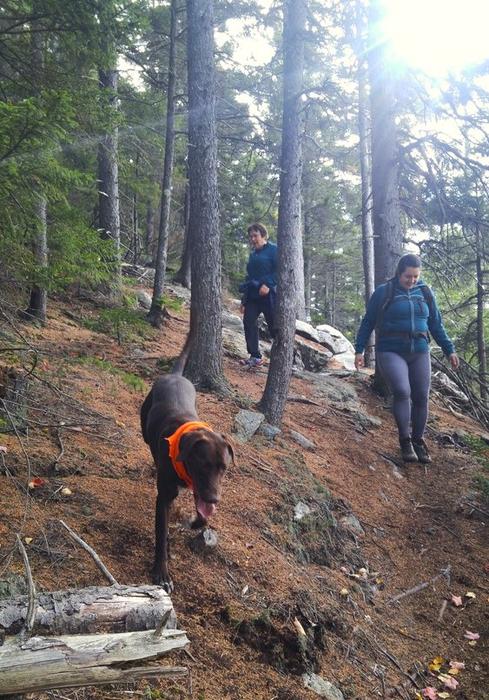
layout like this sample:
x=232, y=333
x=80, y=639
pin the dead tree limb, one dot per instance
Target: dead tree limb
x=444, y=573
x=32, y=605
x=92, y=553
x=72, y=661
x=90, y=610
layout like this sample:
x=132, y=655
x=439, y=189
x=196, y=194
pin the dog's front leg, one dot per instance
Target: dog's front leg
x=161, y=575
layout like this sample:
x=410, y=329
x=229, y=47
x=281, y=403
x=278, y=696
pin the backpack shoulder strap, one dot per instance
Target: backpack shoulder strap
x=389, y=295
x=429, y=299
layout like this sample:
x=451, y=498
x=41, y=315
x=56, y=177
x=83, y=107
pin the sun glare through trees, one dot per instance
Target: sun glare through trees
x=437, y=36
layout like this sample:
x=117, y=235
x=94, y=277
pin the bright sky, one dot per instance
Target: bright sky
x=438, y=36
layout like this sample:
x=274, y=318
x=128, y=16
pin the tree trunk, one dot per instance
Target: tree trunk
x=71, y=661
x=481, y=345
x=136, y=246
x=301, y=282
x=289, y=217
x=367, y=226
x=108, y=179
x=307, y=268
x=388, y=241
x=90, y=610
x=205, y=361
x=183, y=276
x=155, y=315
x=150, y=230
x=37, y=308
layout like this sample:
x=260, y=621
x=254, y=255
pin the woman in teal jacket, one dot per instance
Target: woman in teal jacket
x=404, y=313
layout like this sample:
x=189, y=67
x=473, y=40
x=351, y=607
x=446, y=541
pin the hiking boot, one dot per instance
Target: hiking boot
x=407, y=451
x=421, y=450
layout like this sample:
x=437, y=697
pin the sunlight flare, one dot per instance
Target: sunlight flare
x=438, y=36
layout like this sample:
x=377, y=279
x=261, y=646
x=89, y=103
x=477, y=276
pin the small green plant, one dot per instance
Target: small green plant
x=128, y=378
x=124, y=324
x=480, y=449
x=173, y=303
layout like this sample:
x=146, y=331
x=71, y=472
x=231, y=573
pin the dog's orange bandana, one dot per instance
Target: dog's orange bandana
x=174, y=448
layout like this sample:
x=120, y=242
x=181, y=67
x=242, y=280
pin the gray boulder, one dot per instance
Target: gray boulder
x=144, y=300
x=334, y=339
x=247, y=423
x=322, y=687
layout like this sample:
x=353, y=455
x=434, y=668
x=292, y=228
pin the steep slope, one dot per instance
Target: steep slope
x=244, y=604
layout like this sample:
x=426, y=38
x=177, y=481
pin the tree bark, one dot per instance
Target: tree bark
x=307, y=251
x=289, y=218
x=481, y=344
x=150, y=230
x=89, y=610
x=37, y=308
x=388, y=241
x=183, y=276
x=365, y=171
x=71, y=661
x=108, y=179
x=155, y=315
x=205, y=361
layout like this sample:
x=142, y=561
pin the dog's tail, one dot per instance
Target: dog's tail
x=181, y=361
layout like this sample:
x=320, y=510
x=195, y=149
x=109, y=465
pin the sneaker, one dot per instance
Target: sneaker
x=421, y=450
x=407, y=451
x=252, y=362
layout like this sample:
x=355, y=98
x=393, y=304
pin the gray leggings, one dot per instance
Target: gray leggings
x=409, y=379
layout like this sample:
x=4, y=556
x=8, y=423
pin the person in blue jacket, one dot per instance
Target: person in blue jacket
x=403, y=313
x=259, y=290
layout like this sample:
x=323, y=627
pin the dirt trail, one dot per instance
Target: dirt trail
x=238, y=604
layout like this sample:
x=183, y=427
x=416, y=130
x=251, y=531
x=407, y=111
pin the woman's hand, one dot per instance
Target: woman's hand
x=242, y=309
x=359, y=361
x=454, y=361
x=264, y=290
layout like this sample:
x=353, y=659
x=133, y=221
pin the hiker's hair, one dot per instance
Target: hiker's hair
x=260, y=228
x=408, y=260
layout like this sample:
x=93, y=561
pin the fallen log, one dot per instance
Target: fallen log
x=89, y=610
x=71, y=661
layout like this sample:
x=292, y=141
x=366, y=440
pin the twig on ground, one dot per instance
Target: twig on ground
x=442, y=610
x=392, y=460
x=444, y=573
x=303, y=399
x=92, y=553
x=62, y=450
x=479, y=510
x=373, y=642
x=445, y=527
x=32, y=602
x=260, y=464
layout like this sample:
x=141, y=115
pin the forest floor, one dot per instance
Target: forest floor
x=240, y=603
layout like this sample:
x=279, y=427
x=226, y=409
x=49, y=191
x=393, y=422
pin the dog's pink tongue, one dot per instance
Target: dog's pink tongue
x=206, y=509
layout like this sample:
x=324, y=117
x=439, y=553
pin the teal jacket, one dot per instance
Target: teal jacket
x=405, y=323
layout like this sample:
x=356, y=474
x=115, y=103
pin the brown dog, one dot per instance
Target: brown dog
x=186, y=453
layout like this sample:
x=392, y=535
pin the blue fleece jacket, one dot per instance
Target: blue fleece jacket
x=261, y=269
x=407, y=314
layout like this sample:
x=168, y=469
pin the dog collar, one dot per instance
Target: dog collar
x=174, y=448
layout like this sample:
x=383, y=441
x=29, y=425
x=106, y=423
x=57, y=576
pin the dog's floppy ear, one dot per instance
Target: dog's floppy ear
x=229, y=446
x=188, y=442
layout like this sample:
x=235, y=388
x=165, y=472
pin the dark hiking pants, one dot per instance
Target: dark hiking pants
x=266, y=306
x=409, y=379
